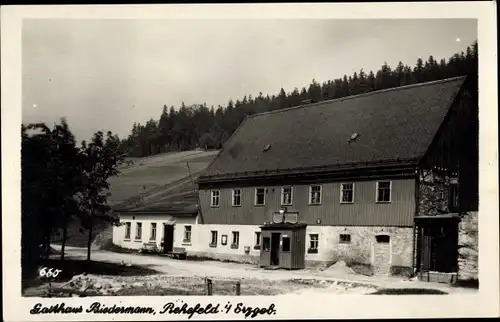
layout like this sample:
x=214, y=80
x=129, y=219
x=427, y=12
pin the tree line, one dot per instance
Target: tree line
x=198, y=126
x=62, y=181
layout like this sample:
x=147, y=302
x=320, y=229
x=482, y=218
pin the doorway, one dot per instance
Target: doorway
x=275, y=249
x=382, y=254
x=168, y=238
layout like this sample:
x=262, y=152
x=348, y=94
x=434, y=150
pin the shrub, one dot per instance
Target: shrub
x=404, y=271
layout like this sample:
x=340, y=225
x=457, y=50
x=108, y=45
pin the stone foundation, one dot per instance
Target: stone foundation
x=468, y=247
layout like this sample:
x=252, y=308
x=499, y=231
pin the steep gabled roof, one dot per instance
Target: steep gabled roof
x=394, y=126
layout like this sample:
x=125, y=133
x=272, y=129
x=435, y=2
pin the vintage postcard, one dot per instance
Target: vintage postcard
x=250, y=161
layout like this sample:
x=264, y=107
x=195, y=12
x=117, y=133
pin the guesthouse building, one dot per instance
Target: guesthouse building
x=379, y=179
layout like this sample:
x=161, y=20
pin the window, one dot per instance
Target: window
x=187, y=234
x=257, y=238
x=236, y=239
x=347, y=193
x=266, y=243
x=213, y=242
x=236, y=197
x=384, y=191
x=153, y=231
x=286, y=196
x=260, y=196
x=286, y=244
x=313, y=243
x=315, y=195
x=128, y=228
x=223, y=240
x=383, y=239
x=138, y=231
x=215, y=201
x=453, y=197
x=345, y=239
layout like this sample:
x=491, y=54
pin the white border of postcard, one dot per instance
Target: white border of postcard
x=484, y=303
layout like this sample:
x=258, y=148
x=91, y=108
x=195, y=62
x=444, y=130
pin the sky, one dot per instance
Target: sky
x=106, y=74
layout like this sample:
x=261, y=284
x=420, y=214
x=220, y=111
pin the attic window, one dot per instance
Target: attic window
x=354, y=136
x=267, y=147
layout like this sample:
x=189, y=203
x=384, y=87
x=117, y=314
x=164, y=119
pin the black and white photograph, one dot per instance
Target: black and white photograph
x=173, y=158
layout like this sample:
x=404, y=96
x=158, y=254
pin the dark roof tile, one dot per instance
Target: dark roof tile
x=396, y=124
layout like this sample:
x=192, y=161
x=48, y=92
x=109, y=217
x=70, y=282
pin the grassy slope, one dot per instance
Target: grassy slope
x=163, y=177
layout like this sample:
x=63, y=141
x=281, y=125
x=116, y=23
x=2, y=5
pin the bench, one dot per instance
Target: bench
x=149, y=247
x=179, y=253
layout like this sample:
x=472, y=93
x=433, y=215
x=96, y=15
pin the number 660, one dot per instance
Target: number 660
x=49, y=272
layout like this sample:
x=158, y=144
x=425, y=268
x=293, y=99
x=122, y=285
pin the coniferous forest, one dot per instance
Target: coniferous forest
x=200, y=126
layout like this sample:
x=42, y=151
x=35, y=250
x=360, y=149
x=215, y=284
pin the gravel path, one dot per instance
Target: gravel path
x=224, y=270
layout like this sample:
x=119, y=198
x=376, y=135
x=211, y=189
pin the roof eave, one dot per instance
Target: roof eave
x=395, y=164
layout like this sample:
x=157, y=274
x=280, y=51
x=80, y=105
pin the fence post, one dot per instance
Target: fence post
x=238, y=288
x=209, y=286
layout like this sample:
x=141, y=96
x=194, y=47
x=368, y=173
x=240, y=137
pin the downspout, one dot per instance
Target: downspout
x=417, y=204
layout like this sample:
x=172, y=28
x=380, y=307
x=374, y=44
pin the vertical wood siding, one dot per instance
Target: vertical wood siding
x=364, y=211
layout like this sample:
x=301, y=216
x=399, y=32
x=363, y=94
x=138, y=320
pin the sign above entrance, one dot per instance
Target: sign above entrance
x=287, y=217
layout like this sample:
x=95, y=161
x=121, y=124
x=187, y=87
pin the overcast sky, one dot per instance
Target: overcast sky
x=106, y=74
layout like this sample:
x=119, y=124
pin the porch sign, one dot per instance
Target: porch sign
x=287, y=217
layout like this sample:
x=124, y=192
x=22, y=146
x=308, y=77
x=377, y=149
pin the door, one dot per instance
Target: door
x=382, y=254
x=168, y=238
x=275, y=249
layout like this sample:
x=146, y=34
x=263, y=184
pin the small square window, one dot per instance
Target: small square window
x=383, y=239
x=345, y=238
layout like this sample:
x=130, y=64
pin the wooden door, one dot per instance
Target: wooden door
x=168, y=238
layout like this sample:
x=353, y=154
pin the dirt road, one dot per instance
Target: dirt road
x=222, y=270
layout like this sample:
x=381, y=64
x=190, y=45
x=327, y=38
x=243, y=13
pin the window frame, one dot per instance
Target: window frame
x=213, y=243
x=138, y=231
x=342, y=192
x=283, y=195
x=264, y=197
x=311, y=249
x=155, y=225
x=212, y=196
x=311, y=194
x=233, y=235
x=377, y=193
x=233, y=195
x=128, y=229
x=187, y=232
x=258, y=238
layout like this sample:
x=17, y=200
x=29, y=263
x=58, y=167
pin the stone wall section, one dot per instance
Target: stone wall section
x=468, y=243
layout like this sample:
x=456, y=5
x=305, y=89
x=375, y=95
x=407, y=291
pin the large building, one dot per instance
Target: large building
x=379, y=179
x=375, y=178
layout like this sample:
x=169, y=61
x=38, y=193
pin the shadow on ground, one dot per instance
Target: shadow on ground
x=408, y=291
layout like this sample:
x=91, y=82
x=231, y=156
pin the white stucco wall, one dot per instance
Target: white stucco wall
x=146, y=220
x=359, y=250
